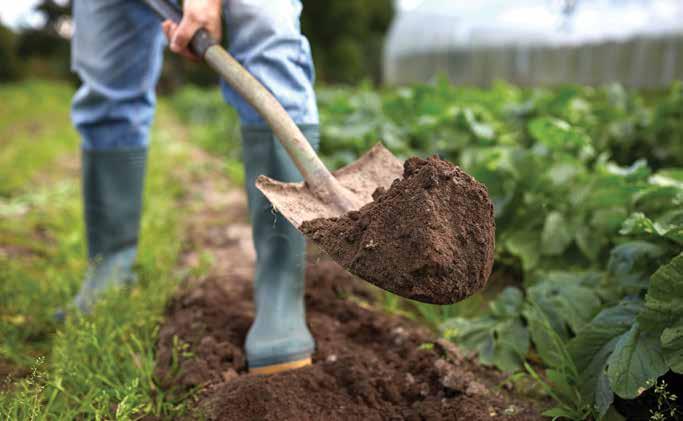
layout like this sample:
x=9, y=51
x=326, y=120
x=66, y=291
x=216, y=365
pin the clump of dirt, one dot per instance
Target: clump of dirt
x=368, y=365
x=429, y=237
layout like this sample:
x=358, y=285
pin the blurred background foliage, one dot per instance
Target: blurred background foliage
x=39, y=52
x=346, y=38
x=8, y=57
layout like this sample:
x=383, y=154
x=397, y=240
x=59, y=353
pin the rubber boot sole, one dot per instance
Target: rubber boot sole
x=281, y=367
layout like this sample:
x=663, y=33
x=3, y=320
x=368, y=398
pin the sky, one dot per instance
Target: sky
x=16, y=13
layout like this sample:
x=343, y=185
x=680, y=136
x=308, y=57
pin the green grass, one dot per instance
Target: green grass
x=212, y=126
x=100, y=367
x=32, y=131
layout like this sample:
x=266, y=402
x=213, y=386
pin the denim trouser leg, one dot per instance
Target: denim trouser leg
x=265, y=37
x=116, y=51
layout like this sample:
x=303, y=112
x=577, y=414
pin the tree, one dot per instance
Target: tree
x=8, y=56
x=44, y=49
x=347, y=37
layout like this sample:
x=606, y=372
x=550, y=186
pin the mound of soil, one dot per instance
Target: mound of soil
x=430, y=237
x=368, y=365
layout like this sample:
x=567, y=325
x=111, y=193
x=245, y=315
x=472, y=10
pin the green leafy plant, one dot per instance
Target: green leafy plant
x=587, y=186
x=561, y=379
x=499, y=336
x=587, y=231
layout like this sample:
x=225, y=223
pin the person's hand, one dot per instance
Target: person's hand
x=196, y=14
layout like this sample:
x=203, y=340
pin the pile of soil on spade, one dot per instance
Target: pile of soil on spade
x=430, y=237
x=368, y=365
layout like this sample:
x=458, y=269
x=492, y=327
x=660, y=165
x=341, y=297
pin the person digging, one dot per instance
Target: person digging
x=423, y=229
x=117, y=51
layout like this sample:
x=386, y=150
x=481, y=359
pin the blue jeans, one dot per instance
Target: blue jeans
x=117, y=52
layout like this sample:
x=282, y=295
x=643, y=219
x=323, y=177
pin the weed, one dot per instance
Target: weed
x=667, y=408
x=562, y=379
x=100, y=366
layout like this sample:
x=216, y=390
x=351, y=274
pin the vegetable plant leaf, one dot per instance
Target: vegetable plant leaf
x=639, y=224
x=664, y=310
x=672, y=344
x=632, y=263
x=636, y=363
x=562, y=375
x=479, y=129
x=604, y=397
x=593, y=345
x=558, y=413
x=499, y=337
x=525, y=245
x=568, y=303
x=590, y=241
x=556, y=235
x=608, y=219
x=637, y=171
x=558, y=134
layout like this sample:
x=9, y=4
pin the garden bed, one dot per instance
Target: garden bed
x=368, y=364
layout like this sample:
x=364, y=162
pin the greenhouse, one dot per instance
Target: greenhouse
x=636, y=42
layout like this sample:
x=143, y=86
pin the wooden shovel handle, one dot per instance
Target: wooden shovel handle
x=315, y=174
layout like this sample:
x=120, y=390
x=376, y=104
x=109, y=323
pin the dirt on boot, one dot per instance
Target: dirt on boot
x=429, y=237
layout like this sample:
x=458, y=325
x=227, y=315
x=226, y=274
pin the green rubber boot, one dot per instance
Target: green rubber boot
x=279, y=338
x=113, y=182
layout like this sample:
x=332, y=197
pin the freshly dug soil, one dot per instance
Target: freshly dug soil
x=430, y=237
x=368, y=365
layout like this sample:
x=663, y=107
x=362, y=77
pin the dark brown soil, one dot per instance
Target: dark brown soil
x=430, y=237
x=9, y=373
x=368, y=365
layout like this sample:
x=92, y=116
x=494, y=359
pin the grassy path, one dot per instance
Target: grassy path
x=34, y=132
x=95, y=367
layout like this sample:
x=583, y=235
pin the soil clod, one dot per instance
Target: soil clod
x=429, y=237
